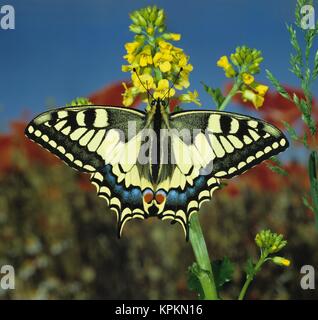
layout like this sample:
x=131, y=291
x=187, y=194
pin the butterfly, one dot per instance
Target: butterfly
x=155, y=163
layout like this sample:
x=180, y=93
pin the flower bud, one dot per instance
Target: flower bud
x=280, y=261
x=135, y=29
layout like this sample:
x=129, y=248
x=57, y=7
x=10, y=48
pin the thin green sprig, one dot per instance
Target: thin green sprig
x=307, y=72
x=269, y=243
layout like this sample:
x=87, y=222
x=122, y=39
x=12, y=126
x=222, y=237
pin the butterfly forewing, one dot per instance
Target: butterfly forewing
x=85, y=136
x=238, y=142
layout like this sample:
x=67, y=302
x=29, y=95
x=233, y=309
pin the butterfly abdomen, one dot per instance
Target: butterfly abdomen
x=155, y=153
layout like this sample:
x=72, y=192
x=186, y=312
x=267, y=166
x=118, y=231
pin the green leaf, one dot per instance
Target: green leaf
x=177, y=109
x=305, y=140
x=312, y=169
x=275, y=160
x=250, y=268
x=277, y=85
x=222, y=271
x=193, y=280
x=291, y=131
x=80, y=101
x=307, y=118
x=307, y=204
x=277, y=169
x=296, y=61
x=315, y=70
x=223, y=185
x=216, y=94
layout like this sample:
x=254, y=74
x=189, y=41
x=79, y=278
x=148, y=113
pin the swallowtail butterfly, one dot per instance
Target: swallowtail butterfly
x=176, y=180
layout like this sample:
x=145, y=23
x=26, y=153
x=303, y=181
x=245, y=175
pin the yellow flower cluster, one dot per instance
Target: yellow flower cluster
x=253, y=91
x=244, y=63
x=155, y=64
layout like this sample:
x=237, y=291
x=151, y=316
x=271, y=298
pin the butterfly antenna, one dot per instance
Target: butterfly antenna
x=148, y=92
x=174, y=82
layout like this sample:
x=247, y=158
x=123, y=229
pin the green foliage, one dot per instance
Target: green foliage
x=250, y=268
x=80, y=101
x=291, y=131
x=178, y=109
x=216, y=95
x=296, y=60
x=307, y=204
x=193, y=282
x=312, y=168
x=307, y=73
x=277, y=167
x=277, y=85
x=223, y=271
x=315, y=70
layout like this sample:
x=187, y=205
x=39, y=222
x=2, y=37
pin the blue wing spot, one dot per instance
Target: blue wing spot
x=179, y=198
x=131, y=197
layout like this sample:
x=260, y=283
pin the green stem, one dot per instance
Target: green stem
x=312, y=171
x=250, y=278
x=230, y=95
x=201, y=254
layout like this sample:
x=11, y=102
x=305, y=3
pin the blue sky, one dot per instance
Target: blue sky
x=64, y=49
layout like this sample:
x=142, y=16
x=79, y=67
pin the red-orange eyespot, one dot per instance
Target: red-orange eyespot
x=160, y=197
x=148, y=196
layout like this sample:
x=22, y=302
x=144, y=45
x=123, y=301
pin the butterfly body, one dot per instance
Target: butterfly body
x=155, y=163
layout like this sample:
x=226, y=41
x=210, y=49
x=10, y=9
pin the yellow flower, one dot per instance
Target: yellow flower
x=247, y=78
x=223, y=62
x=125, y=68
x=145, y=57
x=162, y=60
x=144, y=81
x=281, y=261
x=190, y=97
x=183, y=81
x=163, y=45
x=261, y=89
x=132, y=46
x=128, y=97
x=175, y=36
x=157, y=64
x=249, y=95
x=130, y=57
x=162, y=89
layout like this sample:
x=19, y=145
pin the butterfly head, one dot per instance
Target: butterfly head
x=158, y=103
